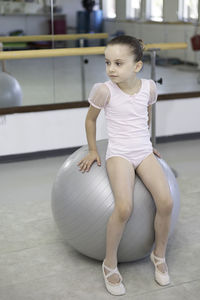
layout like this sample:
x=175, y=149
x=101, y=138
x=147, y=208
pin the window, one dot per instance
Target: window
x=133, y=9
x=154, y=10
x=109, y=8
x=188, y=10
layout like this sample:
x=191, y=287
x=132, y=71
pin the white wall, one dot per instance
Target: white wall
x=177, y=117
x=32, y=132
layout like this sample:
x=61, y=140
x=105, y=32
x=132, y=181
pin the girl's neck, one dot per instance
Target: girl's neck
x=130, y=85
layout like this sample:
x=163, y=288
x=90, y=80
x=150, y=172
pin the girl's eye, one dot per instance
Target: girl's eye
x=118, y=64
x=107, y=63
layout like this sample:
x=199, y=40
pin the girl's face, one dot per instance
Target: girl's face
x=120, y=63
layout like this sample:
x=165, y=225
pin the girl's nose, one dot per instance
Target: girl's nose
x=111, y=68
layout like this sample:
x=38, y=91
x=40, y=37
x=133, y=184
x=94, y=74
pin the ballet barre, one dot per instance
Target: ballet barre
x=45, y=53
x=165, y=46
x=25, y=54
x=56, y=37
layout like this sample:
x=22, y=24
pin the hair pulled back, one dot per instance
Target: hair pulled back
x=136, y=45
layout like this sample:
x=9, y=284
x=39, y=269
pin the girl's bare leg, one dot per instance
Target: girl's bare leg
x=153, y=177
x=121, y=176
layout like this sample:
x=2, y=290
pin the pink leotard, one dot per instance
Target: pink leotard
x=126, y=118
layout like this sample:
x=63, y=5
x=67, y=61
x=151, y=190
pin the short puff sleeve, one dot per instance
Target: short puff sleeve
x=99, y=95
x=153, y=93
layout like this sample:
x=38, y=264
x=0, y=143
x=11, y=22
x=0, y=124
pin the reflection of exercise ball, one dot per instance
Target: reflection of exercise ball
x=10, y=91
x=82, y=204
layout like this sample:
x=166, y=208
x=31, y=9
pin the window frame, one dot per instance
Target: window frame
x=133, y=18
x=105, y=8
x=149, y=17
x=181, y=17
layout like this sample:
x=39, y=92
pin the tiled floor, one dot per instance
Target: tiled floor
x=36, y=264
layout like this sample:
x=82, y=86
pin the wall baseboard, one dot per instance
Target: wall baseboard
x=178, y=137
x=67, y=151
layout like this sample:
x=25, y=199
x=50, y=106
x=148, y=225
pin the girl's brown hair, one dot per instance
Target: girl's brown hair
x=136, y=45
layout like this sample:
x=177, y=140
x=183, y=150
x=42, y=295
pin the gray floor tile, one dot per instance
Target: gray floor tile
x=183, y=263
x=192, y=289
x=169, y=293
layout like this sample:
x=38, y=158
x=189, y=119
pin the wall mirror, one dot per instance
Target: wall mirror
x=45, y=81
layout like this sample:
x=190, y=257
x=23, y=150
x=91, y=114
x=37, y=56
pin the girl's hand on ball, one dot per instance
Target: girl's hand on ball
x=88, y=160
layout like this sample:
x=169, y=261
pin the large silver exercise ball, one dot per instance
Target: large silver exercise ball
x=10, y=91
x=83, y=202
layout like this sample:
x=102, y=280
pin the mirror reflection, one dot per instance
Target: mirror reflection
x=59, y=80
x=47, y=80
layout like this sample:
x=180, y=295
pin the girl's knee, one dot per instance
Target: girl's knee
x=124, y=210
x=165, y=206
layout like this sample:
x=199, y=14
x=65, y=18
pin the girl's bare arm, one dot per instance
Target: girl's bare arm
x=90, y=126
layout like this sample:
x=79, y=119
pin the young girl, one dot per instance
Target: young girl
x=127, y=104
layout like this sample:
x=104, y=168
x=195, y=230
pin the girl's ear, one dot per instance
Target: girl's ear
x=138, y=66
